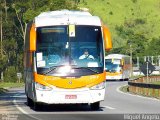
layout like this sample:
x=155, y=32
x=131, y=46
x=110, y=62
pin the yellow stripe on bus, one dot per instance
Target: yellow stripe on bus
x=70, y=83
x=113, y=74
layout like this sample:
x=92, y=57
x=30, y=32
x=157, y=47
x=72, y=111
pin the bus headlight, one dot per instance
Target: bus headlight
x=42, y=87
x=99, y=86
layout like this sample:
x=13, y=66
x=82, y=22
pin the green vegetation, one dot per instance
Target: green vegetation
x=140, y=15
x=14, y=16
x=10, y=85
x=134, y=26
x=124, y=88
x=5, y=85
x=158, y=82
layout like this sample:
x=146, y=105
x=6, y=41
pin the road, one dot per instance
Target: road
x=117, y=106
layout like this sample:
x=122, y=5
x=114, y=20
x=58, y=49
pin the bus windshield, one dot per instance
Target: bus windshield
x=56, y=48
x=112, y=65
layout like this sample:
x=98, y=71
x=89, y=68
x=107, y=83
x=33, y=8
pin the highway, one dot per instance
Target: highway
x=117, y=106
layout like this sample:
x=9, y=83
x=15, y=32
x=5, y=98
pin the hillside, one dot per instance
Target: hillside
x=134, y=26
x=119, y=12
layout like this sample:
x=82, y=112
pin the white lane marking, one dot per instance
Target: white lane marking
x=111, y=108
x=134, y=95
x=19, y=108
x=23, y=111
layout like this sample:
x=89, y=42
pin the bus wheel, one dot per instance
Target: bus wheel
x=95, y=106
x=29, y=101
x=36, y=106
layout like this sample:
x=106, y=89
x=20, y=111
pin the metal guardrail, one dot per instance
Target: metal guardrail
x=157, y=68
x=144, y=86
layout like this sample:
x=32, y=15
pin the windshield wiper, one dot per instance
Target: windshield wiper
x=50, y=69
x=54, y=67
x=86, y=68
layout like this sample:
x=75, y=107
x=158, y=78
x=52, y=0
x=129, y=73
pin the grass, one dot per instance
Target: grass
x=10, y=85
x=135, y=77
x=157, y=82
x=116, y=12
x=5, y=85
x=124, y=88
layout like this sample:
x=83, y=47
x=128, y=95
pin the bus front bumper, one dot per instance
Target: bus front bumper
x=71, y=96
x=116, y=77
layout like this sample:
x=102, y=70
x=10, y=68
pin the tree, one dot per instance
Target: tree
x=133, y=36
x=153, y=48
x=14, y=16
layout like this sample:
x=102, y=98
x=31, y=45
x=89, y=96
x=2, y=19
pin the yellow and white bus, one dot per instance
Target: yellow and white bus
x=53, y=72
x=118, y=67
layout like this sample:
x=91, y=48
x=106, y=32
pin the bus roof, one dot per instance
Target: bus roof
x=65, y=17
x=116, y=56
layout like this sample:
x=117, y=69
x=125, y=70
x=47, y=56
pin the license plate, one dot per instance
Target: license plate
x=70, y=96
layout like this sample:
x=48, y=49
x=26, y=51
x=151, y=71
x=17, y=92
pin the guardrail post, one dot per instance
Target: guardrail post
x=134, y=89
x=145, y=87
x=143, y=91
x=142, y=80
x=156, y=93
x=130, y=88
x=138, y=90
x=153, y=92
x=147, y=92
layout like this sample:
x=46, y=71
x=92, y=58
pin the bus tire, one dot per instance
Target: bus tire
x=95, y=106
x=36, y=106
x=126, y=79
x=29, y=101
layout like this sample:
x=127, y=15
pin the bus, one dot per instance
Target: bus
x=118, y=67
x=53, y=72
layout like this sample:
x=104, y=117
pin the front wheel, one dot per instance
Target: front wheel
x=38, y=106
x=29, y=102
x=95, y=106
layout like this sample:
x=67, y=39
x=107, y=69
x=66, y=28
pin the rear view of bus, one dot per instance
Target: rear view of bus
x=55, y=72
x=118, y=67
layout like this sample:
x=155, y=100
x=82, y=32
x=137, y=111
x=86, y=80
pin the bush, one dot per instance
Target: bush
x=10, y=74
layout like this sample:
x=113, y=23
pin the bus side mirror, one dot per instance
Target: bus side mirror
x=122, y=62
x=107, y=39
x=32, y=41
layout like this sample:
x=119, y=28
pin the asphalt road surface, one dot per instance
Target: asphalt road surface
x=117, y=106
